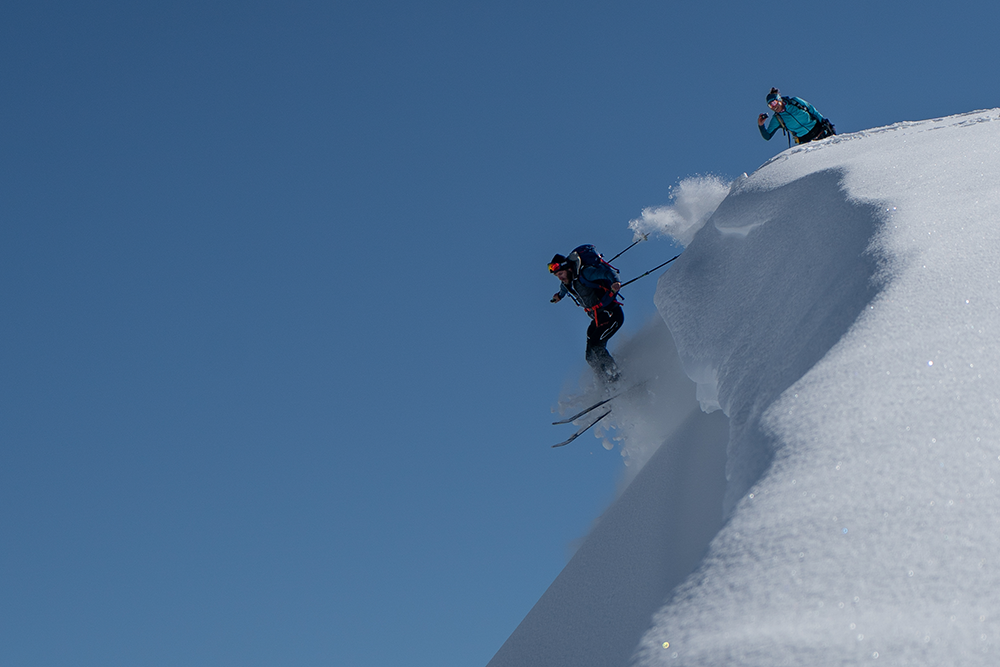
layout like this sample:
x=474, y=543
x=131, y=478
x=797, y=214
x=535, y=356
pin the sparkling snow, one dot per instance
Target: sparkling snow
x=841, y=307
x=861, y=375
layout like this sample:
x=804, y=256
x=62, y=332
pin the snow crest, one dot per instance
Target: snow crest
x=843, y=306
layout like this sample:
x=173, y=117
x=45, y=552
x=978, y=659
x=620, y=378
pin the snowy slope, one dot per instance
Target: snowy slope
x=842, y=307
x=656, y=533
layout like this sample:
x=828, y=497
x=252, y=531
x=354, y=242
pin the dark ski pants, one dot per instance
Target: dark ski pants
x=607, y=322
x=819, y=131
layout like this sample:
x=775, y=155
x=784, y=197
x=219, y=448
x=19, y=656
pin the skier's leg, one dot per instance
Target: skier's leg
x=601, y=361
x=598, y=333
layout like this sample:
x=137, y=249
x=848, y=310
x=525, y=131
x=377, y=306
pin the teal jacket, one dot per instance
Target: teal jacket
x=798, y=121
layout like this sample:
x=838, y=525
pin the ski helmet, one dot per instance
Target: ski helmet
x=560, y=263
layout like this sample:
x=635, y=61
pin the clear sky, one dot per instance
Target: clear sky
x=277, y=353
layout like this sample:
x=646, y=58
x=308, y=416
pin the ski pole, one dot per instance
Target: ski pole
x=644, y=237
x=648, y=272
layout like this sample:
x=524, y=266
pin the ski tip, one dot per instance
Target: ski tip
x=582, y=430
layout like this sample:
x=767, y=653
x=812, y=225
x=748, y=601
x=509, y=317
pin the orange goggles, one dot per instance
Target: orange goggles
x=554, y=266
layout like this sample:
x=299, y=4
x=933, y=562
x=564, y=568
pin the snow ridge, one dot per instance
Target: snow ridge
x=841, y=307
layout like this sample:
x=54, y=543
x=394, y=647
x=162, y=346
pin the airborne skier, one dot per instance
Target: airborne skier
x=593, y=284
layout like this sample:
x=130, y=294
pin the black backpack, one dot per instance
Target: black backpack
x=589, y=256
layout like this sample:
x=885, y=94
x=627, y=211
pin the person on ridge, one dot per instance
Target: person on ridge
x=594, y=287
x=796, y=116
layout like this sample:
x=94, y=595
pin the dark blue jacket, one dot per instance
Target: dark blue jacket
x=593, y=290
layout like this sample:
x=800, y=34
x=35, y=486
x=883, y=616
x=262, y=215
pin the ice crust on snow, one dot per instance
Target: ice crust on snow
x=841, y=307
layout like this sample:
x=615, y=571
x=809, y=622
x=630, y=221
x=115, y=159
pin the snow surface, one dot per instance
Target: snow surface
x=842, y=307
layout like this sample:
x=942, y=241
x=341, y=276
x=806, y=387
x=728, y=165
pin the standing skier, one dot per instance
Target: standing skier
x=593, y=284
x=796, y=116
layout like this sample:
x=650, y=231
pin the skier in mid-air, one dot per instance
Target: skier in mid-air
x=593, y=284
x=795, y=116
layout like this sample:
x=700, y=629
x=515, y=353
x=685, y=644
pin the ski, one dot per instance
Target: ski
x=597, y=405
x=583, y=429
x=585, y=411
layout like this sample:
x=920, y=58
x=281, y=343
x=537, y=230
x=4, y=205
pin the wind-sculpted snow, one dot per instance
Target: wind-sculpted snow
x=843, y=308
x=774, y=281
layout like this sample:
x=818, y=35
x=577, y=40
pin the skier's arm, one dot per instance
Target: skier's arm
x=558, y=296
x=771, y=128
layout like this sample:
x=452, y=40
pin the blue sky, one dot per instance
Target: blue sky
x=278, y=356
